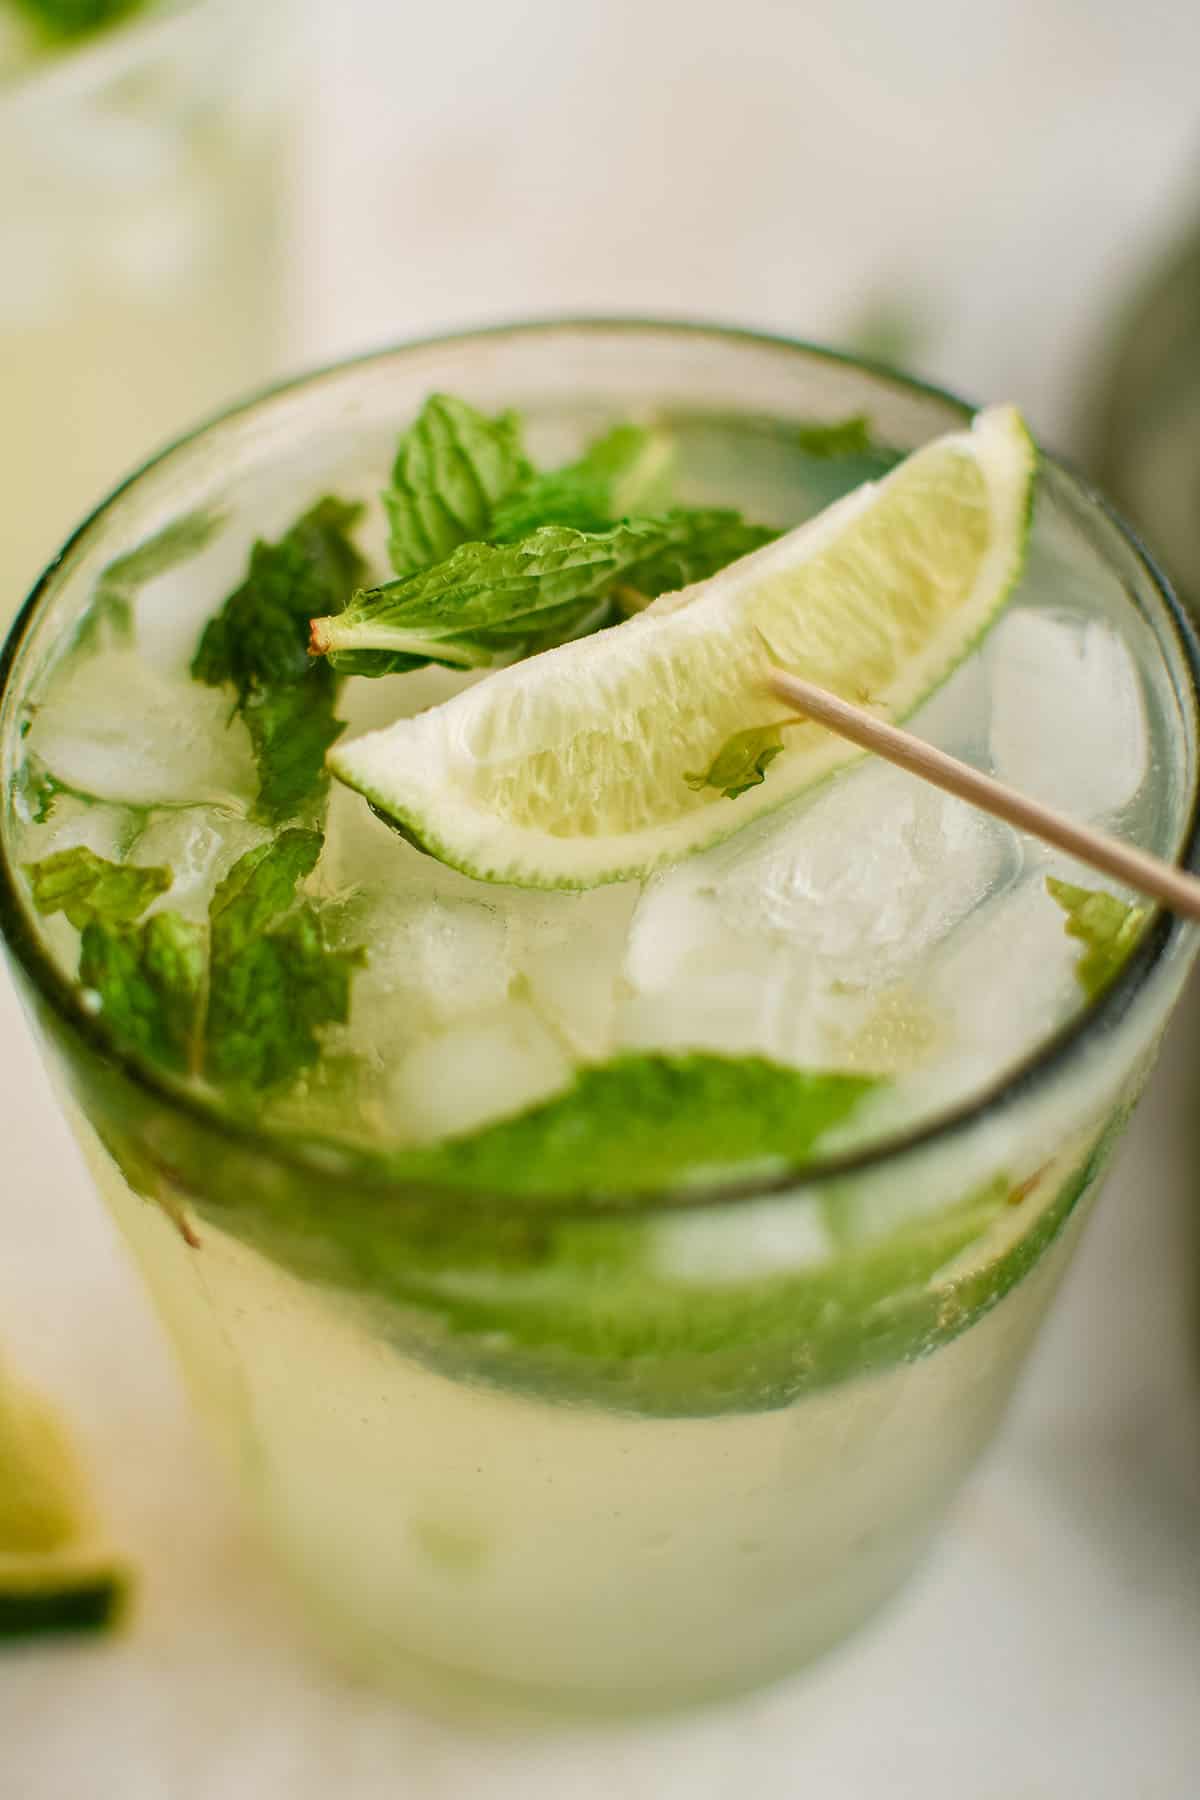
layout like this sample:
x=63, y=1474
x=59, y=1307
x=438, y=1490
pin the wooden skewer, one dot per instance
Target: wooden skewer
x=1136, y=868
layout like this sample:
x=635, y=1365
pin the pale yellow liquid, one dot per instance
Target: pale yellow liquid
x=481, y=1546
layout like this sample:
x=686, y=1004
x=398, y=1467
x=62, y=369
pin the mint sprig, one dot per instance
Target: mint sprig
x=490, y=603
x=495, y=561
x=240, y=999
x=256, y=645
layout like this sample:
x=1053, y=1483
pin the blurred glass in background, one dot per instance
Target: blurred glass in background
x=142, y=225
x=968, y=189
x=1143, y=440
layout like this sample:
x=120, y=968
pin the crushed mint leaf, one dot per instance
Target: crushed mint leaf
x=257, y=644
x=259, y=888
x=840, y=437
x=148, y=980
x=742, y=761
x=274, y=981
x=37, y=792
x=1107, y=928
x=647, y=1122
x=239, y=999
x=269, y=1001
x=88, y=889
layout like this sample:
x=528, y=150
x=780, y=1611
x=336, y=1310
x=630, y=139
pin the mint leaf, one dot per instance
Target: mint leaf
x=260, y=888
x=149, y=979
x=484, y=602
x=696, y=544
x=496, y=602
x=273, y=979
x=256, y=642
x=741, y=762
x=624, y=473
x=1108, y=929
x=841, y=437
x=453, y=467
x=268, y=1003
x=110, y=613
x=89, y=889
x=257, y=645
x=290, y=731
x=648, y=1122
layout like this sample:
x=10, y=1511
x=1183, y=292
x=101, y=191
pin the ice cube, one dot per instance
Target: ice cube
x=862, y=882
x=743, y=999
x=570, y=952
x=199, y=844
x=107, y=830
x=1068, y=724
x=428, y=963
x=460, y=956
x=362, y=853
x=115, y=728
x=368, y=705
x=745, y=1243
x=877, y=870
x=485, y=1068
x=1005, y=984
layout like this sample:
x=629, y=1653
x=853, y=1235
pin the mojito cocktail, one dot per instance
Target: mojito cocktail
x=600, y=1149
x=141, y=239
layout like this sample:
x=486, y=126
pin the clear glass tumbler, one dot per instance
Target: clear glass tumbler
x=141, y=239
x=573, y=1455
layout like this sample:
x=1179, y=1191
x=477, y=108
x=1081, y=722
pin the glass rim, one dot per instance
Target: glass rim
x=319, y=1157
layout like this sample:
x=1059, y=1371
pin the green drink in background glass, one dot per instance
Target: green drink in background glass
x=601, y=1293
x=141, y=236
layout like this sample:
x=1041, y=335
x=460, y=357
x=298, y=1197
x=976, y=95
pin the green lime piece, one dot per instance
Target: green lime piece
x=573, y=768
x=56, y=1574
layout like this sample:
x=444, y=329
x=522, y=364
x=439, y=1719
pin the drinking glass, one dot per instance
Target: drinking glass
x=142, y=207
x=572, y=1454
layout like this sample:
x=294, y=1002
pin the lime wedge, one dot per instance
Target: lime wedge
x=55, y=1574
x=585, y=764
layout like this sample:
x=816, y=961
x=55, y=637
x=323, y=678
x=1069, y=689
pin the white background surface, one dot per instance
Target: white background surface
x=996, y=171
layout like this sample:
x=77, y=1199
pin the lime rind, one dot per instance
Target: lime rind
x=80, y=1589
x=56, y=1573
x=568, y=771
